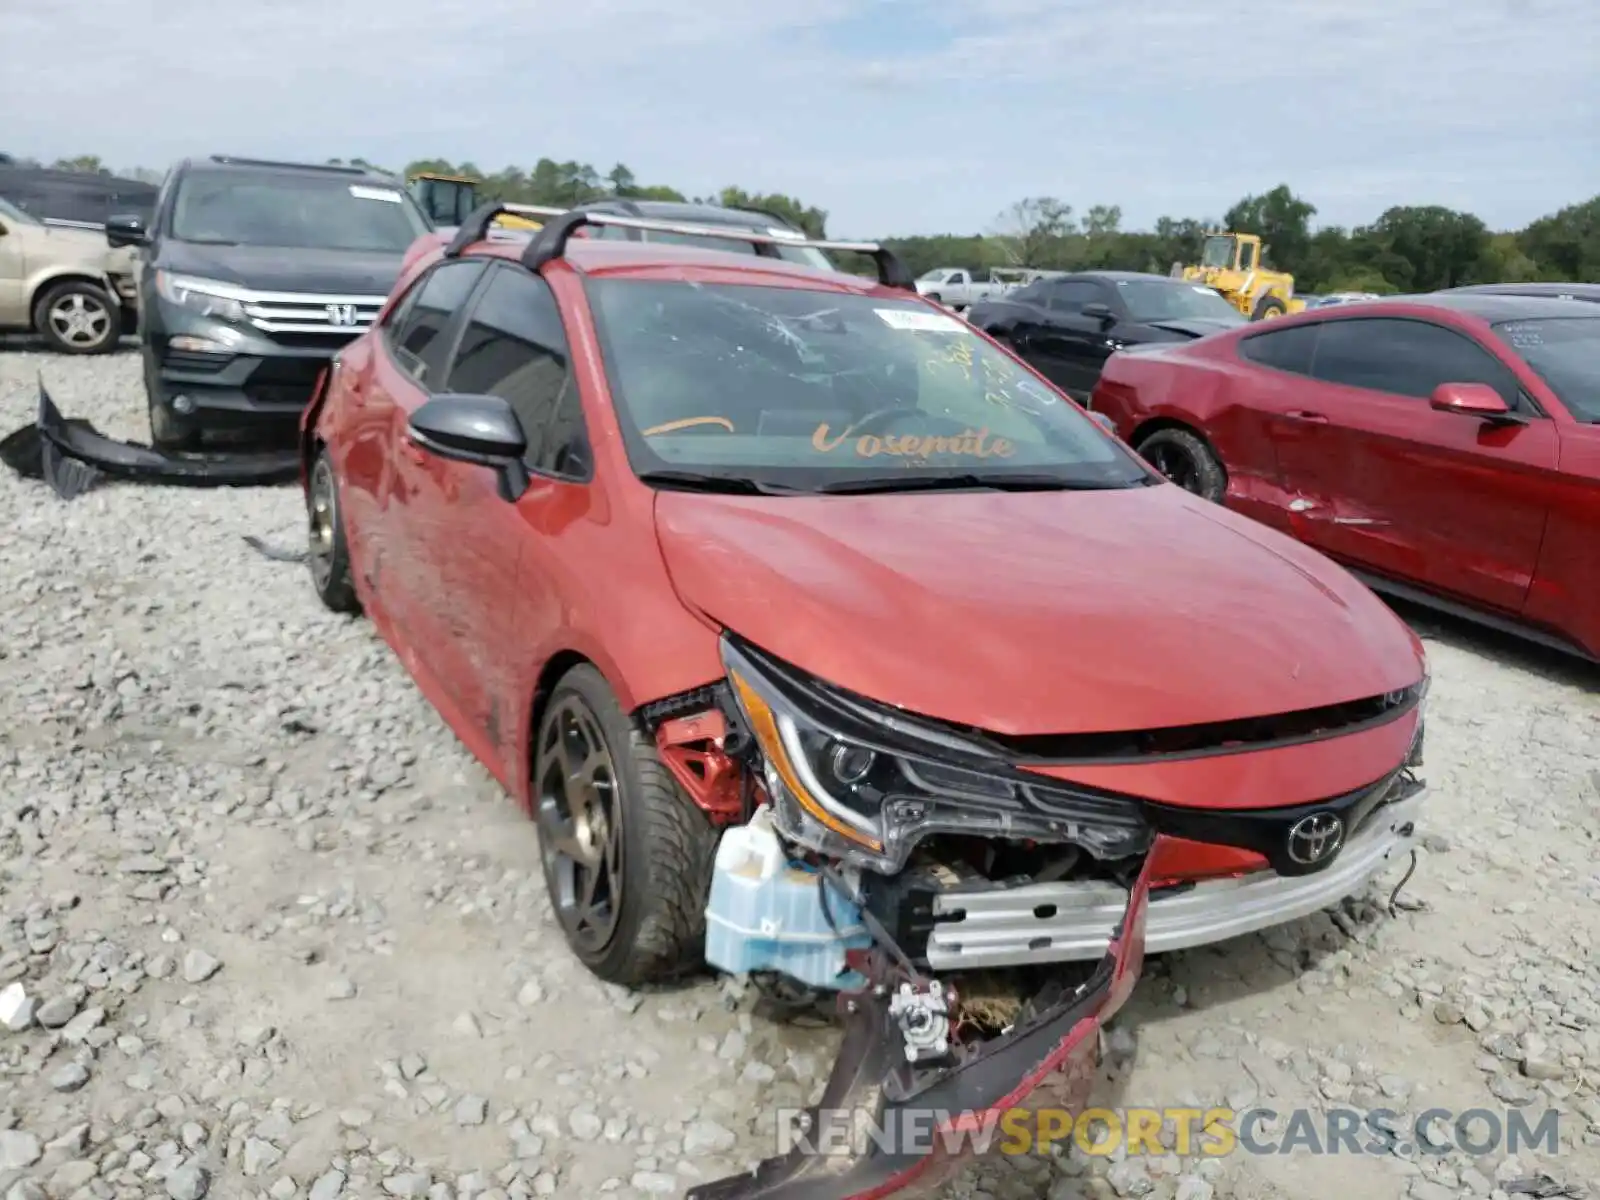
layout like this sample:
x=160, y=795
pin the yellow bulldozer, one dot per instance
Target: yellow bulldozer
x=447, y=199
x=1232, y=264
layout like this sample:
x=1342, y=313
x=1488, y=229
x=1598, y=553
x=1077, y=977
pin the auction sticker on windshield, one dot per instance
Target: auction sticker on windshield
x=919, y=322
x=372, y=193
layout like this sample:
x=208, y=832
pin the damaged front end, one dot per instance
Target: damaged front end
x=845, y=822
x=72, y=456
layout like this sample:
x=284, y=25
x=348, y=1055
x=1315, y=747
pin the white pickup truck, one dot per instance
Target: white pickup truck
x=959, y=288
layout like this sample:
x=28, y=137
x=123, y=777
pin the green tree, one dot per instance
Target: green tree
x=1032, y=231
x=89, y=164
x=1441, y=247
x=814, y=221
x=1281, y=220
x=1566, y=244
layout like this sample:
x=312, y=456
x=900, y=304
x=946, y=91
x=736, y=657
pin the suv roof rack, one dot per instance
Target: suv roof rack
x=551, y=241
x=234, y=160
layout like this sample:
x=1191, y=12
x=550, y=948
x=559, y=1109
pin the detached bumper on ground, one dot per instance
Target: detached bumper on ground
x=1048, y=1060
x=72, y=456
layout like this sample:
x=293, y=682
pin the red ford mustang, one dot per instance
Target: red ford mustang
x=826, y=641
x=1446, y=447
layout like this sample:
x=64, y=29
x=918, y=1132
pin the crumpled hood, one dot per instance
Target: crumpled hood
x=1198, y=327
x=1043, y=612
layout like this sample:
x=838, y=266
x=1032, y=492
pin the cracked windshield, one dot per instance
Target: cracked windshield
x=808, y=387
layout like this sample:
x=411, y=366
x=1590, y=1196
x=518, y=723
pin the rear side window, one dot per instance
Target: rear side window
x=1406, y=358
x=1071, y=297
x=423, y=316
x=514, y=347
x=1283, y=349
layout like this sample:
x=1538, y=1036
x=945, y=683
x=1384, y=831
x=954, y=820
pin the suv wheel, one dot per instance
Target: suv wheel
x=168, y=431
x=77, y=317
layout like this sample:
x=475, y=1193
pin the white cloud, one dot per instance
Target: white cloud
x=895, y=116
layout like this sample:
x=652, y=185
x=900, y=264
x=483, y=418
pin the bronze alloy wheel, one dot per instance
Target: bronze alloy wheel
x=320, y=511
x=580, y=823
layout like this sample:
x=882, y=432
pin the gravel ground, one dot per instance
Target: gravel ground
x=280, y=937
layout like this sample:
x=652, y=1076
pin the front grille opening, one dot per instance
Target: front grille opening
x=1213, y=737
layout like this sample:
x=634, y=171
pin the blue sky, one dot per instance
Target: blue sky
x=896, y=116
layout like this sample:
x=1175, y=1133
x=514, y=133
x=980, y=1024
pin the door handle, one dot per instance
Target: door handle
x=1314, y=418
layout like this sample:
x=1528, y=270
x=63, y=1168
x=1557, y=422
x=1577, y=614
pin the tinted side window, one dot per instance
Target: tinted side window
x=1286, y=349
x=1071, y=297
x=1406, y=358
x=515, y=347
x=415, y=332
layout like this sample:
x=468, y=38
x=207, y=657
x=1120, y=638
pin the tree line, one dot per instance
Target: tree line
x=1408, y=248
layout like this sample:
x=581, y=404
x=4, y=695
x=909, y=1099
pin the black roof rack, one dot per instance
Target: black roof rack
x=234, y=160
x=476, y=227
x=551, y=241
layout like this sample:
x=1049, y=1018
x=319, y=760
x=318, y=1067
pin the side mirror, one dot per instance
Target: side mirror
x=126, y=231
x=1471, y=400
x=1105, y=422
x=1099, y=312
x=482, y=430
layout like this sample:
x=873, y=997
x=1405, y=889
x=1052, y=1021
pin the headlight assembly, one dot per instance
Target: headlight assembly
x=206, y=297
x=864, y=785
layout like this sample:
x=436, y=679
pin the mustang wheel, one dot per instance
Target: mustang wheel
x=627, y=857
x=328, y=555
x=1184, y=458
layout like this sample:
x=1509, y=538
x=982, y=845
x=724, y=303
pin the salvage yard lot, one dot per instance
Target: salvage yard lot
x=291, y=941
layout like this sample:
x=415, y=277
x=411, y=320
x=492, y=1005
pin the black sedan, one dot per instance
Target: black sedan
x=1066, y=326
x=1553, y=291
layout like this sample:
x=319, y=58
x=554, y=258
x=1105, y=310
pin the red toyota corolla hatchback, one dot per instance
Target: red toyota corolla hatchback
x=828, y=643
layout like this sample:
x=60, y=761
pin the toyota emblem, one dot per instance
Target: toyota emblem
x=1316, y=838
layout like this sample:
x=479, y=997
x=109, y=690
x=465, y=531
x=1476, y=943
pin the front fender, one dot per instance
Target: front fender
x=308, y=421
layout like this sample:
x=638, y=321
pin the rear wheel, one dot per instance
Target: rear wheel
x=328, y=554
x=1186, y=459
x=78, y=317
x=627, y=857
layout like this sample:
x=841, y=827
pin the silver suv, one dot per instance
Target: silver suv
x=64, y=284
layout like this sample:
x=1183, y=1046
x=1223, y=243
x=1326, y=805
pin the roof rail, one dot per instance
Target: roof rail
x=234, y=160
x=551, y=241
x=476, y=227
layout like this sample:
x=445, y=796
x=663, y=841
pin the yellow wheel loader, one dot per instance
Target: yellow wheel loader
x=1232, y=264
x=447, y=199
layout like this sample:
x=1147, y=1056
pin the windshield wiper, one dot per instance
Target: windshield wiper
x=968, y=482
x=208, y=241
x=733, y=485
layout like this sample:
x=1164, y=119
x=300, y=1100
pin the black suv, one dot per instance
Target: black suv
x=73, y=197
x=254, y=275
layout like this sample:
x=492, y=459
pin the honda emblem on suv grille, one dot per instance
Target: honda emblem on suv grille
x=341, y=314
x=1316, y=838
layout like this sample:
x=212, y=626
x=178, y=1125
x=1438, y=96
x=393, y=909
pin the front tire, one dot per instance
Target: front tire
x=1185, y=459
x=328, y=553
x=168, y=431
x=627, y=857
x=1269, y=308
x=77, y=317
